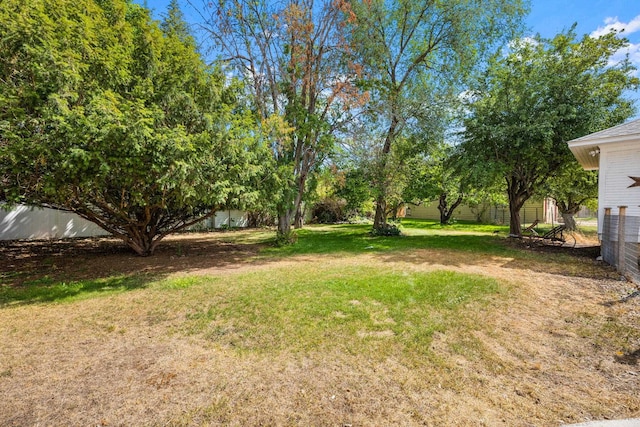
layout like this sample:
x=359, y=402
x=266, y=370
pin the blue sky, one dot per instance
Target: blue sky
x=547, y=17
x=594, y=17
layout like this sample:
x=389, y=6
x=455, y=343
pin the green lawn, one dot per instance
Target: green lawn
x=46, y=289
x=442, y=325
x=477, y=240
x=416, y=234
x=356, y=309
x=315, y=305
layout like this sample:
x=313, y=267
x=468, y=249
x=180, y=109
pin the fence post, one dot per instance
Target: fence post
x=621, y=239
x=606, y=240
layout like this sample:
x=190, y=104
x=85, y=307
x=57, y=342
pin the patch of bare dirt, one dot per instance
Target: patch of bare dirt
x=563, y=347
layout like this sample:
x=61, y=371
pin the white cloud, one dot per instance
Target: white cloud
x=615, y=24
x=633, y=50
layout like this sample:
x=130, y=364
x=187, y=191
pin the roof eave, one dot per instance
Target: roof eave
x=603, y=140
x=587, y=154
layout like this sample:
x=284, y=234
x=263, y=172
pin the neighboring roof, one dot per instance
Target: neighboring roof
x=587, y=148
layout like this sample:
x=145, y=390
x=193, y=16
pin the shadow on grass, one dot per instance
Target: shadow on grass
x=629, y=358
x=460, y=244
x=622, y=300
x=50, y=290
x=23, y=262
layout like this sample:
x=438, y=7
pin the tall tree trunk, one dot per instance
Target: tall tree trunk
x=518, y=194
x=568, y=210
x=298, y=218
x=515, y=230
x=446, y=213
x=569, y=220
x=285, y=210
x=299, y=215
x=380, y=220
x=284, y=227
x=305, y=162
x=516, y=201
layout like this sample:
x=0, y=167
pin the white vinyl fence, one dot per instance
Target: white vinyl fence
x=25, y=222
x=224, y=219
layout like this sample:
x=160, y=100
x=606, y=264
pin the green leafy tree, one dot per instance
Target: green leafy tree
x=104, y=115
x=541, y=94
x=572, y=188
x=174, y=25
x=323, y=203
x=434, y=178
x=355, y=189
x=292, y=56
x=414, y=54
x=443, y=174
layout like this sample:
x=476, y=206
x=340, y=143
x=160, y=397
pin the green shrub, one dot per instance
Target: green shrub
x=328, y=211
x=285, y=239
x=387, y=230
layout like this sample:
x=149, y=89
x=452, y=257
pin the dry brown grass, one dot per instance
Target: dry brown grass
x=560, y=346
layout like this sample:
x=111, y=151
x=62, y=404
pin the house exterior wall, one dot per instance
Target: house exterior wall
x=615, y=152
x=543, y=210
x=619, y=207
x=618, y=162
x=25, y=222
